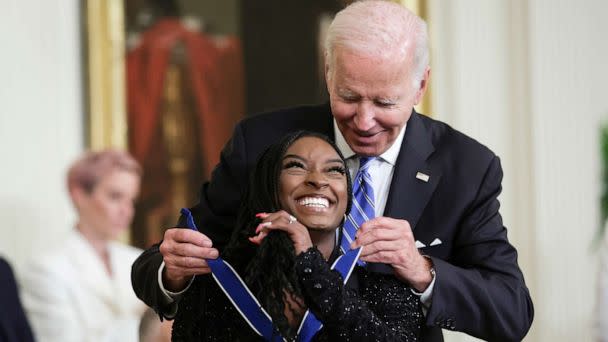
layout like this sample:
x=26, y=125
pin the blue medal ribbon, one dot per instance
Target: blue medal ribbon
x=248, y=306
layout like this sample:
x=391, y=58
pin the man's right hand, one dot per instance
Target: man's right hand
x=184, y=252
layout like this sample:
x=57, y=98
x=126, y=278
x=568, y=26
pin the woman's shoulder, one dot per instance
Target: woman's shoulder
x=205, y=311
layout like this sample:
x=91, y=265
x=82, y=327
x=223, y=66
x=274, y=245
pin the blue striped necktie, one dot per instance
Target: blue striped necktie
x=363, y=208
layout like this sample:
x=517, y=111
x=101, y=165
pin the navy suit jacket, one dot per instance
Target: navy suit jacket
x=14, y=326
x=479, y=288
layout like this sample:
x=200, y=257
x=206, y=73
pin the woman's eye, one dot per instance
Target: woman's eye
x=337, y=170
x=293, y=165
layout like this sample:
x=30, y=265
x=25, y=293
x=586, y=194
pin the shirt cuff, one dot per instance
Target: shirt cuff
x=170, y=297
x=426, y=297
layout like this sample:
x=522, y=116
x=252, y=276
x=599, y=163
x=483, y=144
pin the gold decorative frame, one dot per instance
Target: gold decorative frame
x=105, y=62
x=420, y=8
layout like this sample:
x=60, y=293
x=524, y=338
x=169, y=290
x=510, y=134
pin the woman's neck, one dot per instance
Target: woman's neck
x=99, y=244
x=324, y=240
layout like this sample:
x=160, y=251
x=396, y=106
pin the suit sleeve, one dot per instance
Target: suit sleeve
x=14, y=325
x=481, y=290
x=215, y=215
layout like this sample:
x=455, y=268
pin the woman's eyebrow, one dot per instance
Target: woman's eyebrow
x=329, y=161
x=293, y=156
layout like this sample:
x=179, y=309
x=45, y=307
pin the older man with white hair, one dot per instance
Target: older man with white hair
x=431, y=215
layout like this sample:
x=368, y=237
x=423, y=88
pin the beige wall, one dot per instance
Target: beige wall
x=527, y=78
x=40, y=122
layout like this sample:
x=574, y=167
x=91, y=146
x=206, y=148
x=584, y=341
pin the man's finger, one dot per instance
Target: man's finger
x=185, y=262
x=385, y=257
x=189, y=236
x=382, y=246
x=379, y=234
x=383, y=222
x=190, y=250
x=186, y=272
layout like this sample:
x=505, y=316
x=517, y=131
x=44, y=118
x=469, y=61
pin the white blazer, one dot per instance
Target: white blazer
x=69, y=296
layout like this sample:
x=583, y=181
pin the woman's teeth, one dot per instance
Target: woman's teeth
x=317, y=202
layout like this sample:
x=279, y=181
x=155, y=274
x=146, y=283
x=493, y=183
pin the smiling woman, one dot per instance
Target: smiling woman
x=287, y=237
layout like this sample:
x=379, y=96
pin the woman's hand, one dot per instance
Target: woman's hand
x=281, y=220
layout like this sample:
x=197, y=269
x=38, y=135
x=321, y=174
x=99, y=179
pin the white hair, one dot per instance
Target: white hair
x=383, y=29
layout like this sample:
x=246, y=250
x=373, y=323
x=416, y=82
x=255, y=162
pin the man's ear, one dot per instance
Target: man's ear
x=327, y=76
x=424, y=82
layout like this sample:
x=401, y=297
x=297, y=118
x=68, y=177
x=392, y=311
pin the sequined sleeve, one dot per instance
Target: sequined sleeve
x=382, y=309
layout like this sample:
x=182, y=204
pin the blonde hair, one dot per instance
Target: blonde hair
x=86, y=172
x=380, y=28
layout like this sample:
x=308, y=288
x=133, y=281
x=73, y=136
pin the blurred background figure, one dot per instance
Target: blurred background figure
x=14, y=326
x=151, y=329
x=80, y=290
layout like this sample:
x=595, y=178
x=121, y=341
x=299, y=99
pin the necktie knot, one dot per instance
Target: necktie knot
x=364, y=162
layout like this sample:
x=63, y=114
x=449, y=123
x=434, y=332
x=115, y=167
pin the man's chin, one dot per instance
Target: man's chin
x=367, y=150
x=368, y=147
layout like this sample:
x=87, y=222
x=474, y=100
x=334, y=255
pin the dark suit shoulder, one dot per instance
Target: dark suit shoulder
x=457, y=147
x=463, y=162
x=3, y=264
x=307, y=117
x=259, y=131
x=6, y=272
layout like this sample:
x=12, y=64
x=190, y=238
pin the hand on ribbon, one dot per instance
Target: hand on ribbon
x=184, y=252
x=391, y=241
x=281, y=220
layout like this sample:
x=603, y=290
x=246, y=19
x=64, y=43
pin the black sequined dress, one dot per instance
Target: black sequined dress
x=371, y=307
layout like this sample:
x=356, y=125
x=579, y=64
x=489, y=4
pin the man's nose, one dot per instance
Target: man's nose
x=365, y=116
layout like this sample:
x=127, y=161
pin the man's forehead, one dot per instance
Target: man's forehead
x=379, y=94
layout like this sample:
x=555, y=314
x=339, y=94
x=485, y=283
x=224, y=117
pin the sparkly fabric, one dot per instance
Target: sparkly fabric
x=372, y=307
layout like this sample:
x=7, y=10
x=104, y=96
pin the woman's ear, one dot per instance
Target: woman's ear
x=327, y=71
x=79, y=196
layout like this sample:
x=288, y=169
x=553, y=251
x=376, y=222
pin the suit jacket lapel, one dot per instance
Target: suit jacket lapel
x=408, y=195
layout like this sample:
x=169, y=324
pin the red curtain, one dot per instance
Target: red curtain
x=216, y=75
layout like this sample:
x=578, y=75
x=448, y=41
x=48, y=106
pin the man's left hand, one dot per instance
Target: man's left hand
x=391, y=241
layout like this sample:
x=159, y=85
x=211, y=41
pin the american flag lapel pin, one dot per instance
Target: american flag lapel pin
x=423, y=177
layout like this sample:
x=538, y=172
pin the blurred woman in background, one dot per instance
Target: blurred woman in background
x=81, y=289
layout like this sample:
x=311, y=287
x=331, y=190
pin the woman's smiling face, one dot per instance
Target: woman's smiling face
x=313, y=184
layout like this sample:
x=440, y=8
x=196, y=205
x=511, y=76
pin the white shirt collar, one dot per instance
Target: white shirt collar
x=389, y=156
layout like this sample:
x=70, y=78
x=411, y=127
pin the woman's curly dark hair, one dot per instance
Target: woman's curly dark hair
x=269, y=269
